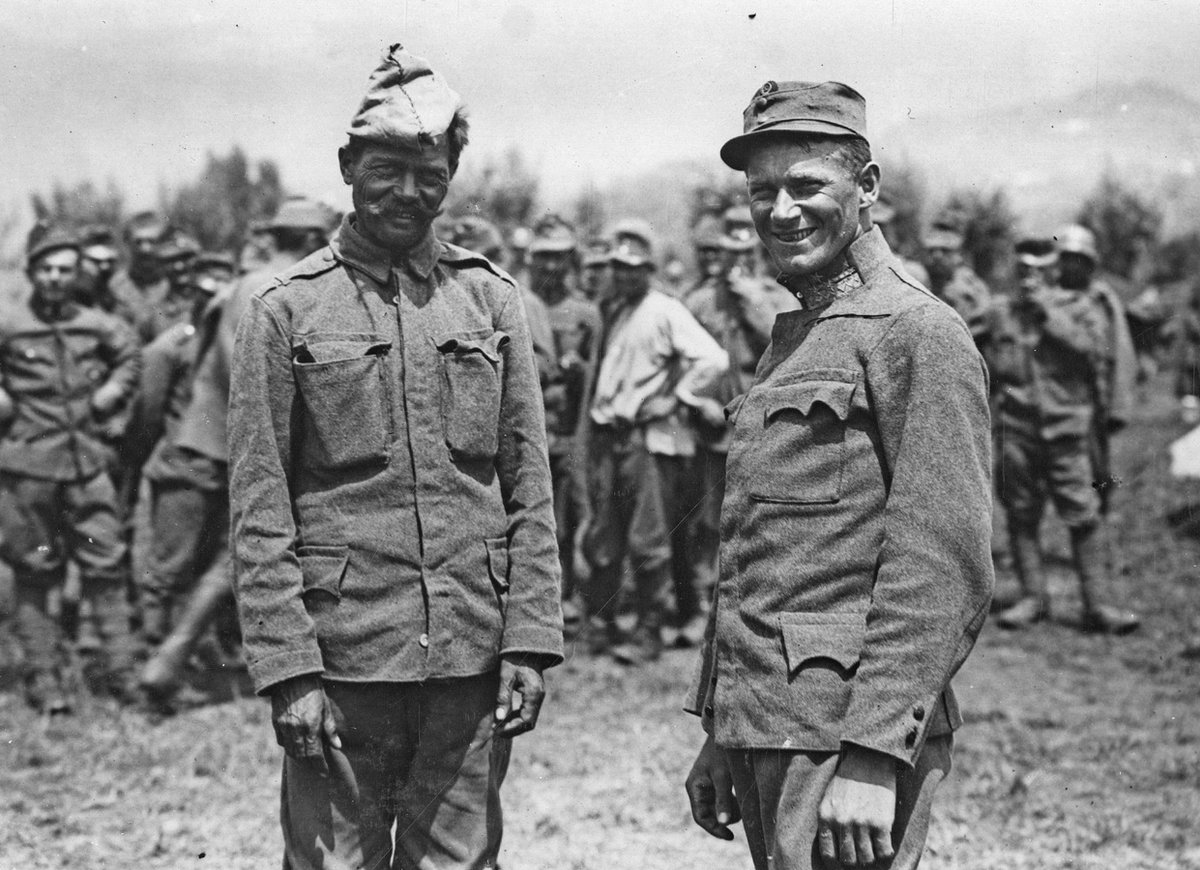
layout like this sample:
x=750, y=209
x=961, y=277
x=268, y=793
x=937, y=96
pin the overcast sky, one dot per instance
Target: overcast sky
x=140, y=90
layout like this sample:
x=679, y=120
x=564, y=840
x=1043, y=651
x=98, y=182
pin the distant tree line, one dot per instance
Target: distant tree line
x=231, y=191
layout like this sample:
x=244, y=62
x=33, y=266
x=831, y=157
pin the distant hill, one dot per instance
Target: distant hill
x=1050, y=152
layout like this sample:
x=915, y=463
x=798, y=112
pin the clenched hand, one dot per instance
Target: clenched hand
x=303, y=720
x=854, y=827
x=710, y=792
x=520, y=697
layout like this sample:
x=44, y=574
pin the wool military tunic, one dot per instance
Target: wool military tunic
x=390, y=488
x=855, y=569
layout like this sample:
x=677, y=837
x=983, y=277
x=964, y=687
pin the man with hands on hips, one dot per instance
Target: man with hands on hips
x=855, y=568
x=396, y=568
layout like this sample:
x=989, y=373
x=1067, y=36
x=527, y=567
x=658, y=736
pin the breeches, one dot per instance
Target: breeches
x=1032, y=469
x=43, y=523
x=416, y=757
x=190, y=540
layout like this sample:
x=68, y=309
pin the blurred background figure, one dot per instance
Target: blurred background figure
x=952, y=280
x=188, y=573
x=656, y=363
x=140, y=285
x=1047, y=348
x=737, y=306
x=575, y=325
x=483, y=237
x=66, y=371
x=594, y=274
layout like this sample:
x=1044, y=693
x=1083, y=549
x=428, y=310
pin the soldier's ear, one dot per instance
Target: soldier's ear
x=346, y=164
x=868, y=185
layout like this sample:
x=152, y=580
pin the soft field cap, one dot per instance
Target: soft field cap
x=407, y=104
x=814, y=108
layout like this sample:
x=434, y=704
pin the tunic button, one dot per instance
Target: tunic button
x=918, y=712
x=423, y=640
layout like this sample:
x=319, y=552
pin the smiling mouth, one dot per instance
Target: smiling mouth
x=792, y=237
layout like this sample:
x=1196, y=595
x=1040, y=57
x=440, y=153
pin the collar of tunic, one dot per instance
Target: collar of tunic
x=868, y=257
x=354, y=249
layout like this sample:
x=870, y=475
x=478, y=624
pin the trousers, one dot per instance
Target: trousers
x=416, y=758
x=780, y=791
x=189, y=546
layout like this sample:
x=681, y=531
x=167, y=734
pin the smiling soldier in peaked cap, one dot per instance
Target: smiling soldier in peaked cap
x=393, y=534
x=855, y=560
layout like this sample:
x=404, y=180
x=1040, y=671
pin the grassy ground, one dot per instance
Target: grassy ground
x=1079, y=751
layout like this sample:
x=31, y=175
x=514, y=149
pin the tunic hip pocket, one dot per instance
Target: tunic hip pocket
x=346, y=402
x=799, y=457
x=472, y=364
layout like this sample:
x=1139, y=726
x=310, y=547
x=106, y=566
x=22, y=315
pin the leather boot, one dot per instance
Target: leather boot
x=113, y=666
x=1034, y=604
x=164, y=671
x=644, y=645
x=38, y=634
x=1089, y=549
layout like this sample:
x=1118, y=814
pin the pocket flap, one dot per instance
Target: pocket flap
x=323, y=568
x=812, y=636
x=478, y=341
x=322, y=350
x=497, y=553
x=835, y=395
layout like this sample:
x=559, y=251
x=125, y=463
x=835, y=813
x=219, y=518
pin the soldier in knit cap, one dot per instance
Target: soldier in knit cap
x=395, y=561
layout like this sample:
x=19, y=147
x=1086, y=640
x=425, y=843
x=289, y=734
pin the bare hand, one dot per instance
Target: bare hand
x=303, y=720
x=710, y=792
x=519, y=700
x=855, y=818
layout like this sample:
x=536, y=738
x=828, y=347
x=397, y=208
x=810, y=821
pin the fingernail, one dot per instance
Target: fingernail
x=723, y=818
x=337, y=742
x=501, y=713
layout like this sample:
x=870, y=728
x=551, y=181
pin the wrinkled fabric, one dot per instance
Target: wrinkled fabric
x=418, y=759
x=855, y=535
x=407, y=104
x=390, y=487
x=54, y=370
x=654, y=352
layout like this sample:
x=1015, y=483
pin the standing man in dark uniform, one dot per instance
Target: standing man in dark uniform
x=952, y=280
x=142, y=285
x=189, y=515
x=855, y=563
x=575, y=325
x=1046, y=350
x=66, y=371
x=393, y=528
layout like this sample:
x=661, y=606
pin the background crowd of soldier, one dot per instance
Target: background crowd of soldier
x=115, y=389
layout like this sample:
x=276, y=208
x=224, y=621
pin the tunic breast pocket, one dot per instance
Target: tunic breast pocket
x=342, y=382
x=800, y=454
x=472, y=368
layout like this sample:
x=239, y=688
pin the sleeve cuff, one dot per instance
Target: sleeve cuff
x=267, y=672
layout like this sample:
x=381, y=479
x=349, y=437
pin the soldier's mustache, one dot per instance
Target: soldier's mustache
x=415, y=207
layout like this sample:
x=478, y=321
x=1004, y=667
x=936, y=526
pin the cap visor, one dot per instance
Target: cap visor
x=735, y=152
